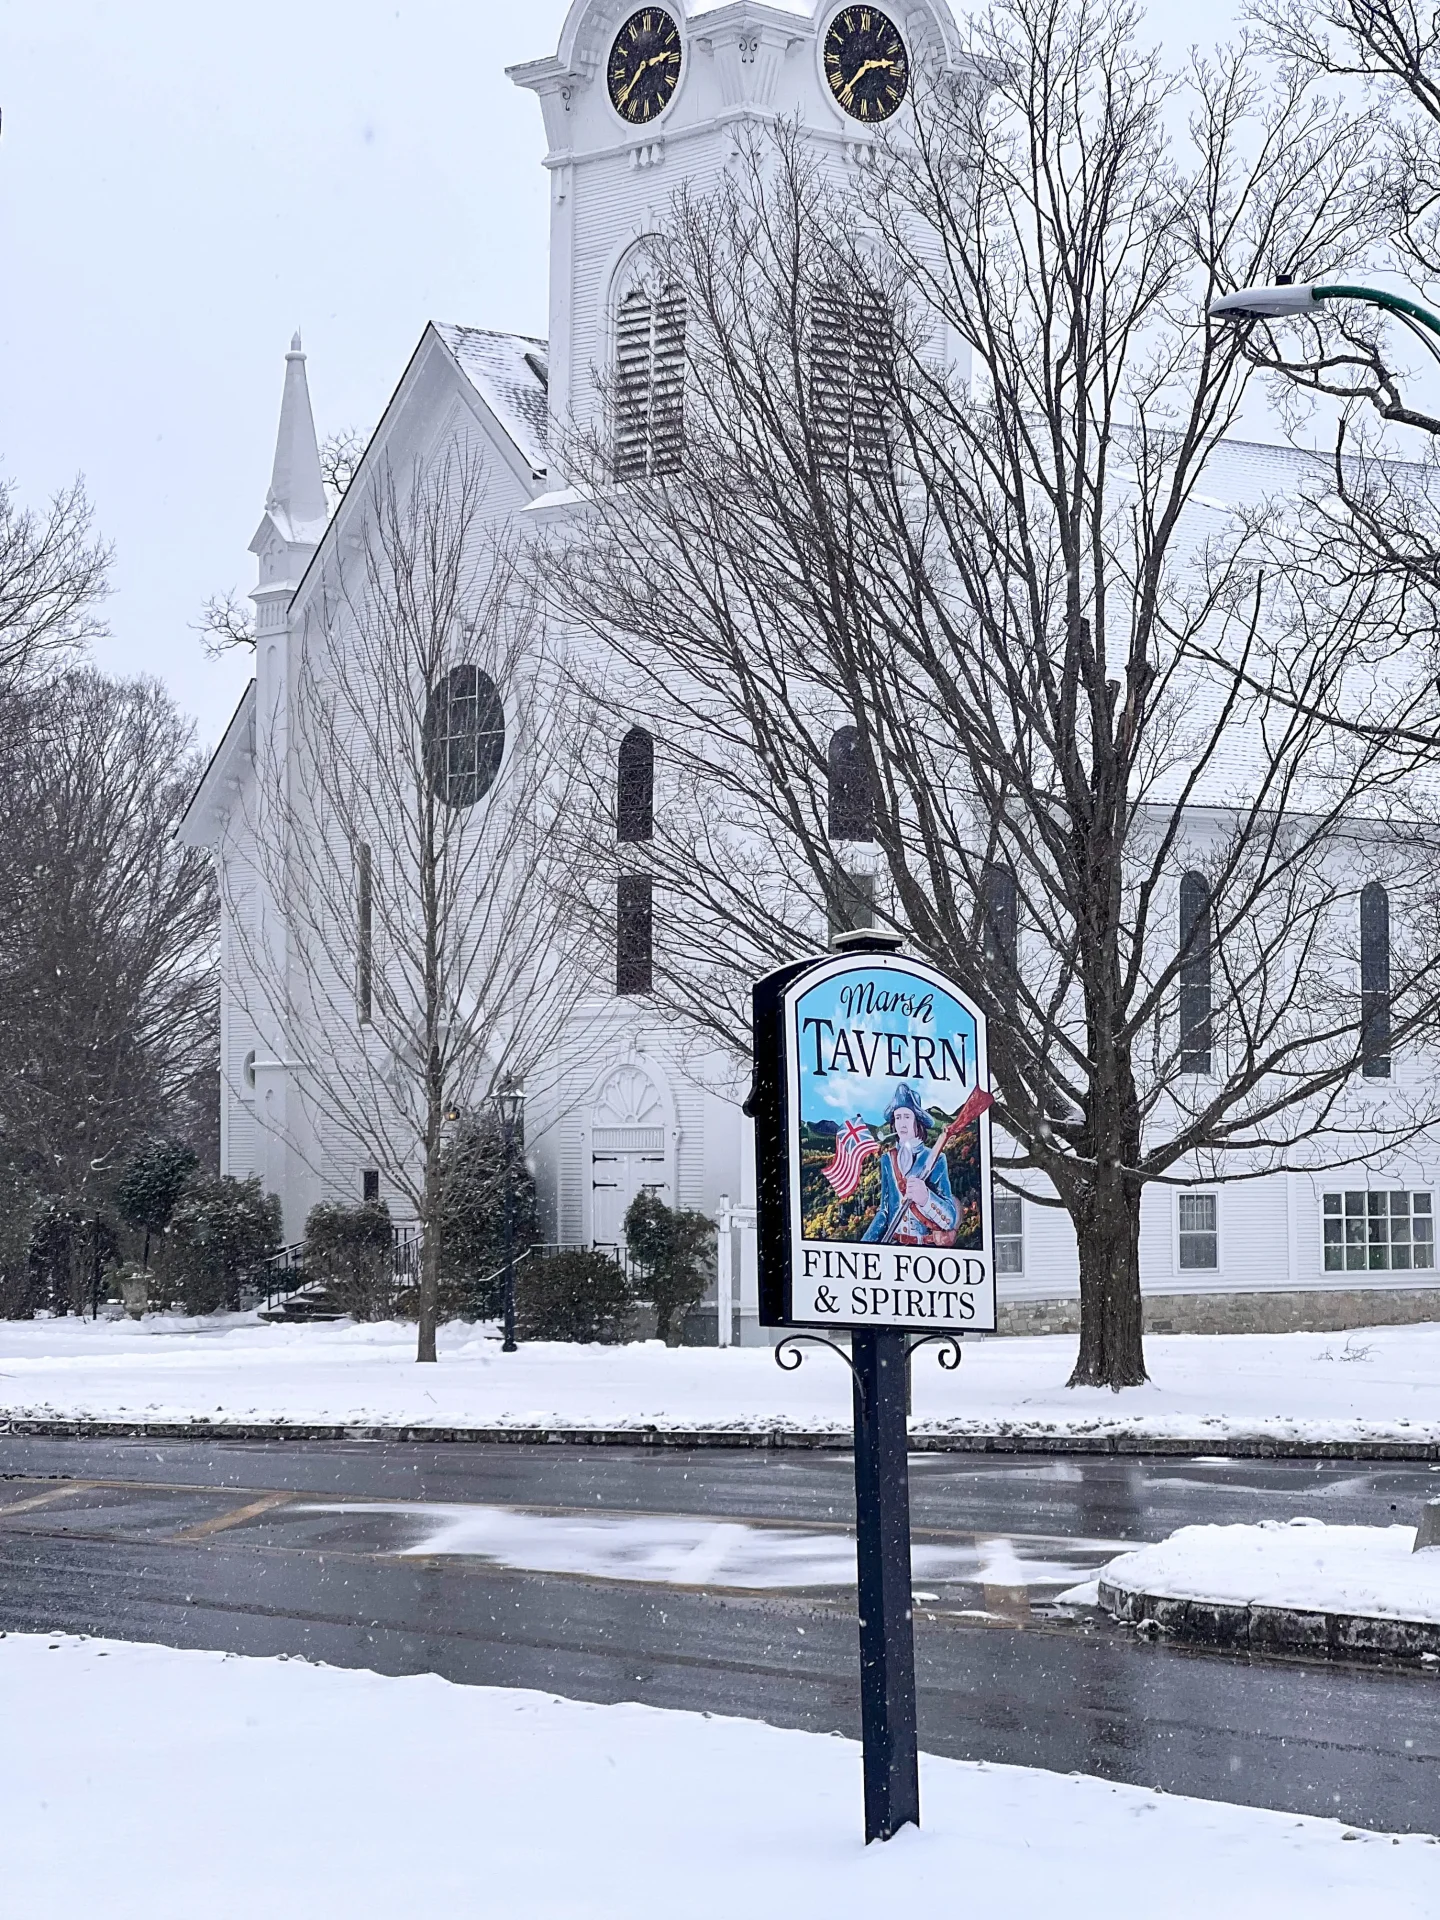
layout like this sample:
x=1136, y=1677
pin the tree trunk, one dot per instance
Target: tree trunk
x=1107, y=1229
x=429, y=1290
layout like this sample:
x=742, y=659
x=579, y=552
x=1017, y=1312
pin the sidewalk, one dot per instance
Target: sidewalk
x=1374, y=1392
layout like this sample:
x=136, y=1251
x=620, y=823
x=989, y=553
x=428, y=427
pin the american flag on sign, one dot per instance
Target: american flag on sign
x=853, y=1146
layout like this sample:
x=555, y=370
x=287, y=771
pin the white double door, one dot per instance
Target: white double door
x=617, y=1175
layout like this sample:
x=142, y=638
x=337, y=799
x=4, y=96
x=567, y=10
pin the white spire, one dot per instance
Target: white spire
x=296, y=488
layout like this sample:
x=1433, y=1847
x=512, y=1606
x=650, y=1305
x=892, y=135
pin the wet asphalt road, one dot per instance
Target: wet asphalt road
x=371, y=1555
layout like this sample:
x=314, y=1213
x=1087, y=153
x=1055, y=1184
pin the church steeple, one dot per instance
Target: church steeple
x=295, y=507
x=296, y=488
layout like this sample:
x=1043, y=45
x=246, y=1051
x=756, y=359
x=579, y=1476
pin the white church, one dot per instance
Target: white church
x=634, y=101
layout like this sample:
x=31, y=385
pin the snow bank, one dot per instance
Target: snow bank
x=1305, y=1565
x=145, y=1784
x=1344, y=1389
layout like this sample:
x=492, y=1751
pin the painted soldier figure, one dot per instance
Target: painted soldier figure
x=917, y=1207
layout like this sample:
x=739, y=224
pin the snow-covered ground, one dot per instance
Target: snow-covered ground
x=139, y=1783
x=1306, y=1565
x=1378, y=1384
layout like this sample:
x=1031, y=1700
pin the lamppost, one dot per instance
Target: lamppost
x=1285, y=300
x=509, y=1098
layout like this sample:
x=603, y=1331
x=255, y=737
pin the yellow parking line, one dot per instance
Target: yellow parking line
x=236, y=1517
x=46, y=1499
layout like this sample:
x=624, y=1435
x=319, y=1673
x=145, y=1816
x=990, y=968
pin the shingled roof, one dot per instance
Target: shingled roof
x=510, y=371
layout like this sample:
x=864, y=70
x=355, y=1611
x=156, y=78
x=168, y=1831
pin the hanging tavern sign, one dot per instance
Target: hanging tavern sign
x=872, y=1132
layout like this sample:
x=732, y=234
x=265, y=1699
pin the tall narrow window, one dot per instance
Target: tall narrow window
x=1009, y=1233
x=649, y=383
x=1198, y=1223
x=635, y=787
x=854, y=905
x=1000, y=917
x=850, y=355
x=1375, y=982
x=365, y=942
x=1196, y=943
x=634, y=934
x=851, y=806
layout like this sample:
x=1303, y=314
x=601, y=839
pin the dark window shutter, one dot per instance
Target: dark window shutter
x=851, y=808
x=1375, y=982
x=1000, y=919
x=1196, y=945
x=635, y=787
x=634, y=934
x=854, y=905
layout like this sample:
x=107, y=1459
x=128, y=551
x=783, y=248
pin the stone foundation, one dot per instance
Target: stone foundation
x=1316, y=1310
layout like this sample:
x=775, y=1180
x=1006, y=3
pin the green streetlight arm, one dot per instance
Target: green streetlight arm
x=1273, y=303
x=1377, y=297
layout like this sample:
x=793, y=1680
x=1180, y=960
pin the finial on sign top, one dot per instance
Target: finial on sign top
x=867, y=940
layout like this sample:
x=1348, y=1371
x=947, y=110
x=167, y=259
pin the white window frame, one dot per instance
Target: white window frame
x=1010, y=1273
x=1340, y=1190
x=1194, y=1193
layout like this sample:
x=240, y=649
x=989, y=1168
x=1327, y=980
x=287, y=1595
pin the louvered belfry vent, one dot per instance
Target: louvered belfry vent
x=649, y=383
x=850, y=356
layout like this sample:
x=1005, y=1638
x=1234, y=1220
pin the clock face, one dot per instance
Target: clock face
x=866, y=65
x=644, y=68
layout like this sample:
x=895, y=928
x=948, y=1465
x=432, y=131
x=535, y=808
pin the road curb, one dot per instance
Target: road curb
x=827, y=1440
x=1258, y=1629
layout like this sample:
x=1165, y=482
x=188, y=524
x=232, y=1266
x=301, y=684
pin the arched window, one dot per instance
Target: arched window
x=850, y=358
x=635, y=787
x=1375, y=982
x=649, y=383
x=634, y=934
x=1196, y=944
x=1000, y=919
x=464, y=736
x=851, y=808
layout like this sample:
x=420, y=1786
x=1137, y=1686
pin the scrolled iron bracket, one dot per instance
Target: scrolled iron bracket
x=788, y=1355
x=950, y=1354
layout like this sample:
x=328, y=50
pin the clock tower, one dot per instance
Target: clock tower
x=639, y=99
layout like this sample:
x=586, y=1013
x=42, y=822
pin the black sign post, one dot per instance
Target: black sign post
x=882, y=1552
x=872, y=1144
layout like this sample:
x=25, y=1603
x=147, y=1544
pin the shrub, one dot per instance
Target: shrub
x=572, y=1296
x=472, y=1212
x=672, y=1251
x=220, y=1229
x=64, y=1245
x=151, y=1184
x=352, y=1250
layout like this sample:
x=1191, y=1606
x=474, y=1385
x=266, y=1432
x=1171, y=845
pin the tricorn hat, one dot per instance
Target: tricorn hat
x=906, y=1096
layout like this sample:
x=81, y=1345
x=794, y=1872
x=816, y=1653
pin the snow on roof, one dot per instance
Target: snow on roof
x=510, y=371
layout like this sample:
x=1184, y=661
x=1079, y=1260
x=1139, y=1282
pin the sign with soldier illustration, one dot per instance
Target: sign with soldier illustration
x=883, y=1121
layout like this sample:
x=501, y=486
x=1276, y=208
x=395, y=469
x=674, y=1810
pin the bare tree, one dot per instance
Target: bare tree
x=405, y=829
x=340, y=457
x=52, y=577
x=107, y=929
x=931, y=617
x=1370, y=370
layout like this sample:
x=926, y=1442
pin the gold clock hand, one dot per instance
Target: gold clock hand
x=655, y=60
x=869, y=66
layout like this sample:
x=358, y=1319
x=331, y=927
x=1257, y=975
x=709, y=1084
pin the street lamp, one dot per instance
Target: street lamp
x=509, y=1099
x=1285, y=300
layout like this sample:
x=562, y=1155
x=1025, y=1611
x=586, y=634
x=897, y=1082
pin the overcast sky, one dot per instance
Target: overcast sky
x=181, y=186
